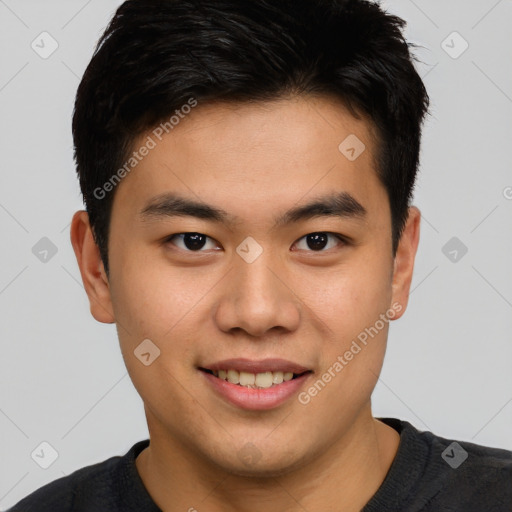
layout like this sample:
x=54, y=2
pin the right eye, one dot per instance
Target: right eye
x=190, y=242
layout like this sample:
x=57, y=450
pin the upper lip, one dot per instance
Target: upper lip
x=253, y=366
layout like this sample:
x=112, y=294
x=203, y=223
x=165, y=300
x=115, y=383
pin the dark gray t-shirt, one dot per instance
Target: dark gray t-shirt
x=429, y=474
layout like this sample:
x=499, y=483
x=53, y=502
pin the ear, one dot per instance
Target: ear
x=91, y=268
x=404, y=260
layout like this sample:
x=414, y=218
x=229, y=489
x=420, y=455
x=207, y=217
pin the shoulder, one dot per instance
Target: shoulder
x=93, y=487
x=475, y=474
x=461, y=475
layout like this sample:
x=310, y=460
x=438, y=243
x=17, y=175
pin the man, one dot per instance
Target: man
x=247, y=169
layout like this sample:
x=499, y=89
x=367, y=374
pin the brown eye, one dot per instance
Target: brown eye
x=318, y=241
x=191, y=241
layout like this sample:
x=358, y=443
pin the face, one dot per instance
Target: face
x=254, y=277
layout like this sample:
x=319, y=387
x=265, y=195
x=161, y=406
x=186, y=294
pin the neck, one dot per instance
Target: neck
x=343, y=478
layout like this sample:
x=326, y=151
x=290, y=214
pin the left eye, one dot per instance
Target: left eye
x=319, y=241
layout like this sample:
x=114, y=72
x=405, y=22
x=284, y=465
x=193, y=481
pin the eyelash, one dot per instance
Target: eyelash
x=341, y=238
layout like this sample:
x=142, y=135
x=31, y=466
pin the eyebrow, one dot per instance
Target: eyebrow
x=342, y=205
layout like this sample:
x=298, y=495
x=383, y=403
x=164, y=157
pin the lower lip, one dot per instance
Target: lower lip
x=256, y=399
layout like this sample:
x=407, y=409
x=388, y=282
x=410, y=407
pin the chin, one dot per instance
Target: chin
x=250, y=462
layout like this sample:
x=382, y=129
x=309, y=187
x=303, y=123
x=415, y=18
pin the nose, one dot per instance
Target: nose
x=257, y=298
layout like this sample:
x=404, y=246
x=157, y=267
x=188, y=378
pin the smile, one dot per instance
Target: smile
x=255, y=385
x=262, y=380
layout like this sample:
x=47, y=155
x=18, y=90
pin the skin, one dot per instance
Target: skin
x=254, y=161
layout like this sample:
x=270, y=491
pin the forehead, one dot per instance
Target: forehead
x=249, y=155
x=289, y=128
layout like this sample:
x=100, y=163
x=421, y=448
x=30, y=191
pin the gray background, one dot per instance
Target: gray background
x=448, y=366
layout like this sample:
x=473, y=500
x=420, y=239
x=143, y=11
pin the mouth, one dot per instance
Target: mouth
x=260, y=380
x=255, y=385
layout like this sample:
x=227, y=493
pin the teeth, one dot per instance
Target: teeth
x=247, y=379
x=263, y=380
x=254, y=380
x=233, y=376
x=277, y=377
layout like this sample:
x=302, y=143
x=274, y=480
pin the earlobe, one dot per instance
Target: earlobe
x=404, y=260
x=91, y=268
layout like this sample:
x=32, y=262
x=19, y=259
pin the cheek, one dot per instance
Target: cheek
x=351, y=361
x=163, y=304
x=149, y=295
x=349, y=298
x=354, y=303
x=148, y=306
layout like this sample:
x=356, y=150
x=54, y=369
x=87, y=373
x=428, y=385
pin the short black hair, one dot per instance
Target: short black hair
x=157, y=55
